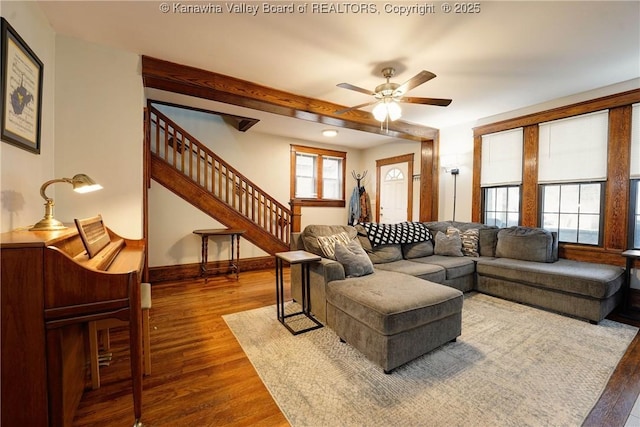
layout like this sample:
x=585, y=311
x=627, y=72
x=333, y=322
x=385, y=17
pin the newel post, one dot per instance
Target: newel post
x=296, y=215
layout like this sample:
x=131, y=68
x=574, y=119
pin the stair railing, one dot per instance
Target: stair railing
x=185, y=153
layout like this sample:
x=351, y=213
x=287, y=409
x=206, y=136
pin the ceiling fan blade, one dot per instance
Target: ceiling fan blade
x=440, y=102
x=356, y=88
x=355, y=107
x=422, y=77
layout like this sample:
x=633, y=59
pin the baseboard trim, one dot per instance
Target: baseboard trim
x=192, y=271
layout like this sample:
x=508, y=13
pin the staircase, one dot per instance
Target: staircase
x=192, y=171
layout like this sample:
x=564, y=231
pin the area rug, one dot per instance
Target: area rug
x=513, y=365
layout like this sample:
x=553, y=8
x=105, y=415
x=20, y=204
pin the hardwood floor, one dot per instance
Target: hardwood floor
x=200, y=375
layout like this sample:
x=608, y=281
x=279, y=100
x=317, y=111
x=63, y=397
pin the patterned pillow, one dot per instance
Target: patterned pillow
x=327, y=243
x=469, y=240
x=354, y=259
x=448, y=245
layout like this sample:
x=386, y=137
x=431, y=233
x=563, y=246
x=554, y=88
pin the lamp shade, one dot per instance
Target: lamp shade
x=387, y=108
x=394, y=110
x=380, y=111
x=83, y=184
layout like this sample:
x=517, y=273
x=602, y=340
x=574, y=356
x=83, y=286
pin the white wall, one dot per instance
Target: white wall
x=91, y=123
x=22, y=172
x=99, y=131
x=262, y=158
x=392, y=149
x=456, y=149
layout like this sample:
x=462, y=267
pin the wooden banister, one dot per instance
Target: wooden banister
x=178, y=148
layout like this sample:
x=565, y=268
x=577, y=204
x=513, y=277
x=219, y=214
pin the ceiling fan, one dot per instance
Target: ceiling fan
x=388, y=95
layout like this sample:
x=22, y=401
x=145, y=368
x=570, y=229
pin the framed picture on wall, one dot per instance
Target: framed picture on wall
x=21, y=79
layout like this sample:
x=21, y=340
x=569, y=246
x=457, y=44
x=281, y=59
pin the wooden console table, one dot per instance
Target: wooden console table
x=631, y=255
x=235, y=248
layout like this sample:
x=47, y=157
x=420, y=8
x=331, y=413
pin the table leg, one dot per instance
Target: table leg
x=237, y=256
x=279, y=291
x=205, y=255
x=135, y=344
x=305, y=288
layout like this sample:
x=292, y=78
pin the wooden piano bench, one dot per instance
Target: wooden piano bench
x=103, y=326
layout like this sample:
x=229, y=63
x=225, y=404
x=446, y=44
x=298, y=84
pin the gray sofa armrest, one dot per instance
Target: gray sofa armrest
x=296, y=243
x=320, y=273
x=329, y=270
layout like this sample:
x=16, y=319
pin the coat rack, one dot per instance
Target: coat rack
x=358, y=177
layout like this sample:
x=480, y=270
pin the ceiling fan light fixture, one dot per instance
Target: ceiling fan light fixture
x=380, y=111
x=387, y=109
x=394, y=110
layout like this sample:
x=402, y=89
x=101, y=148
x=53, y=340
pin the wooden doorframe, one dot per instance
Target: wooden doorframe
x=406, y=158
x=429, y=179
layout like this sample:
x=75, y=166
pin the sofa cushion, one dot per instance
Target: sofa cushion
x=449, y=245
x=380, y=254
x=311, y=233
x=574, y=277
x=392, y=303
x=527, y=244
x=354, y=259
x=425, y=271
x=417, y=250
x=454, y=266
x=487, y=241
x=469, y=240
x=327, y=243
x=487, y=238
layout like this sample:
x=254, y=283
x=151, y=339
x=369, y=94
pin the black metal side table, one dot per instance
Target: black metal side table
x=303, y=258
x=631, y=255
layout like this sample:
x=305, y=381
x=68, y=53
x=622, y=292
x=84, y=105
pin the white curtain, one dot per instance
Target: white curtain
x=502, y=158
x=574, y=149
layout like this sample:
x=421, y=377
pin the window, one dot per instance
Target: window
x=501, y=205
x=394, y=174
x=634, y=200
x=317, y=176
x=573, y=211
x=501, y=176
x=635, y=214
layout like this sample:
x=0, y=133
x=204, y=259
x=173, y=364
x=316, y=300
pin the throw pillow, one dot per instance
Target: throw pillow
x=354, y=259
x=448, y=245
x=417, y=250
x=469, y=239
x=328, y=243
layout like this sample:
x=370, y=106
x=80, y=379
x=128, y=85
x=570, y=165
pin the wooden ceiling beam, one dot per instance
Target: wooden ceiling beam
x=172, y=77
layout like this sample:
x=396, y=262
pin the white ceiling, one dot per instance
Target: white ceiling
x=508, y=56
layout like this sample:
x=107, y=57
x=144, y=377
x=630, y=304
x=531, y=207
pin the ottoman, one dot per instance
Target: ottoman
x=393, y=318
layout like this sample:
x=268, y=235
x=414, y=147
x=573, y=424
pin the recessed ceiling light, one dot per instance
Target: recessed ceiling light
x=329, y=133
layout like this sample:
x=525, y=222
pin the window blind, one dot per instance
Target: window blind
x=574, y=149
x=635, y=141
x=502, y=158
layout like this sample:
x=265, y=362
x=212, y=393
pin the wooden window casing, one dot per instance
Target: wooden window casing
x=321, y=154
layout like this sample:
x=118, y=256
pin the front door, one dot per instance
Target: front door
x=394, y=193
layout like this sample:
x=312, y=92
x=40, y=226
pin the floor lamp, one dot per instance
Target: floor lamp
x=454, y=172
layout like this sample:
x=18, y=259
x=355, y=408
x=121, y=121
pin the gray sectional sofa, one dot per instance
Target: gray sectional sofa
x=517, y=263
